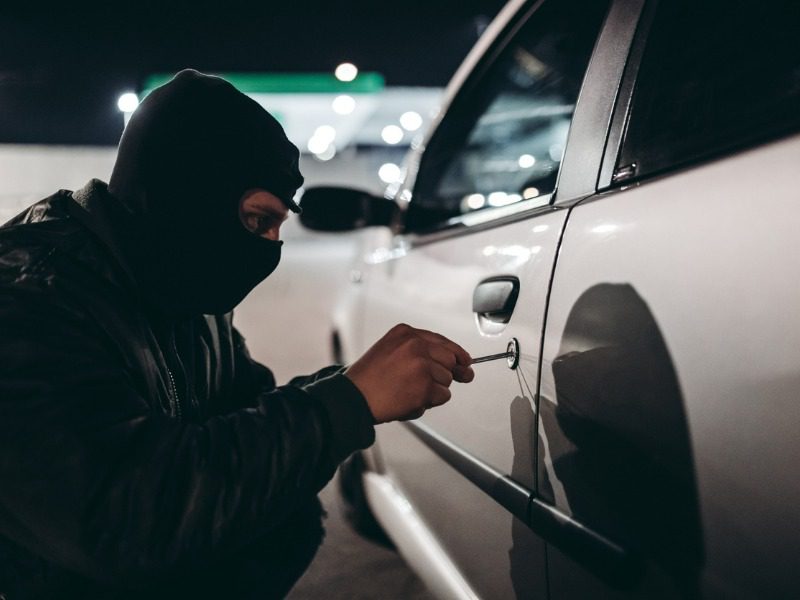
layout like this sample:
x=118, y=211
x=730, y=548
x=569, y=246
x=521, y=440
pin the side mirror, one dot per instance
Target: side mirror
x=344, y=209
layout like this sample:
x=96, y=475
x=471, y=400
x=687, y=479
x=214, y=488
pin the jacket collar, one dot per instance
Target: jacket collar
x=95, y=208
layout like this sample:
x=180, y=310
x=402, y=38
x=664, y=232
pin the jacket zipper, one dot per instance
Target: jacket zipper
x=175, y=395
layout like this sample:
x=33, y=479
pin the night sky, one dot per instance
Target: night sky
x=62, y=68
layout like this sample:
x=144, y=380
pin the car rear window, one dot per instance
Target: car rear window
x=715, y=75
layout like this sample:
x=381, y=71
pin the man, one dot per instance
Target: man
x=143, y=453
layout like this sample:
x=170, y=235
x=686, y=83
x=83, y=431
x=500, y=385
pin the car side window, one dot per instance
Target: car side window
x=502, y=140
x=715, y=75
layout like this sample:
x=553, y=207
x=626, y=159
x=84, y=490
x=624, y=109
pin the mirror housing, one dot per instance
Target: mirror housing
x=343, y=209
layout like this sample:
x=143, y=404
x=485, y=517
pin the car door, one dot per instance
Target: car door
x=473, y=261
x=671, y=353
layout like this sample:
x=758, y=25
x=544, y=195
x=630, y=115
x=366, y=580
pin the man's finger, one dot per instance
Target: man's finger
x=442, y=355
x=463, y=374
x=441, y=375
x=438, y=395
x=462, y=356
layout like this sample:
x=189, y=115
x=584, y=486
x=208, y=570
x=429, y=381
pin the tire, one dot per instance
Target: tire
x=356, y=508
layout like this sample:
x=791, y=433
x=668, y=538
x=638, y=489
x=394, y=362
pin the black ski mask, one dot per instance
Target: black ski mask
x=189, y=153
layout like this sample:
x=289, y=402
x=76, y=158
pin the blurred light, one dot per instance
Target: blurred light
x=475, y=201
x=325, y=133
x=389, y=173
x=343, y=105
x=521, y=254
x=128, y=102
x=392, y=134
x=556, y=151
x=328, y=153
x=411, y=121
x=605, y=228
x=526, y=161
x=393, y=187
x=322, y=140
x=346, y=72
x=530, y=192
x=540, y=228
x=317, y=145
x=503, y=199
x=497, y=199
x=518, y=251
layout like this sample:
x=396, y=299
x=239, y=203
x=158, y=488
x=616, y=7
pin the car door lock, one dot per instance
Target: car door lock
x=511, y=355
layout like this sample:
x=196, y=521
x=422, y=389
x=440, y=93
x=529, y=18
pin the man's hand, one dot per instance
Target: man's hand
x=408, y=371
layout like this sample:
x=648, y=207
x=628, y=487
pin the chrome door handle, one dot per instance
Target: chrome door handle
x=494, y=298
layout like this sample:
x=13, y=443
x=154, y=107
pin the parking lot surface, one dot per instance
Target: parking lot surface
x=350, y=567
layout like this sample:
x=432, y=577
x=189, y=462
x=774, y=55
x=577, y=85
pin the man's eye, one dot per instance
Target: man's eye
x=259, y=224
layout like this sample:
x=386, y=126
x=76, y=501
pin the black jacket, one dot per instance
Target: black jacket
x=141, y=454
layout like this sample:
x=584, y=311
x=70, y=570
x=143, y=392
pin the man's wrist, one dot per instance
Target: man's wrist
x=349, y=417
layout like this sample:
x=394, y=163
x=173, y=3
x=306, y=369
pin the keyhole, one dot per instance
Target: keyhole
x=513, y=353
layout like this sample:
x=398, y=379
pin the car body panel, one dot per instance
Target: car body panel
x=413, y=538
x=431, y=287
x=715, y=391
x=496, y=554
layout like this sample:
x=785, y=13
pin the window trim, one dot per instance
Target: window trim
x=622, y=109
x=598, y=102
x=515, y=212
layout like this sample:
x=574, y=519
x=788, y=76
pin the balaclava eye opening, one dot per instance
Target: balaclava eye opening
x=189, y=153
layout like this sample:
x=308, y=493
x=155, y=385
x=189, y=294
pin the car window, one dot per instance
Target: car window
x=715, y=74
x=502, y=140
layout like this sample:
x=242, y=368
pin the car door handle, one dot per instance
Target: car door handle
x=494, y=298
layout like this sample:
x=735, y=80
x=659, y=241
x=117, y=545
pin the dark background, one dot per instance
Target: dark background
x=63, y=67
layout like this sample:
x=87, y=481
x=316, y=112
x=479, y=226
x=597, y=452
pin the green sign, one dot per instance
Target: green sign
x=286, y=83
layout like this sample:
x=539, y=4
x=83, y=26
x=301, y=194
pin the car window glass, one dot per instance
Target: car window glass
x=503, y=139
x=715, y=74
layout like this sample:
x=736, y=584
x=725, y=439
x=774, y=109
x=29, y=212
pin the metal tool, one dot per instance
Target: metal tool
x=511, y=355
x=481, y=359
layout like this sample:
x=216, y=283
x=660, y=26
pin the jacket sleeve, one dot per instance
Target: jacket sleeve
x=92, y=478
x=342, y=400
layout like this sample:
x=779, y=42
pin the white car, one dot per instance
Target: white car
x=612, y=185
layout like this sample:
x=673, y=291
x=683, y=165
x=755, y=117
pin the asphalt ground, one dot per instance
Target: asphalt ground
x=350, y=567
